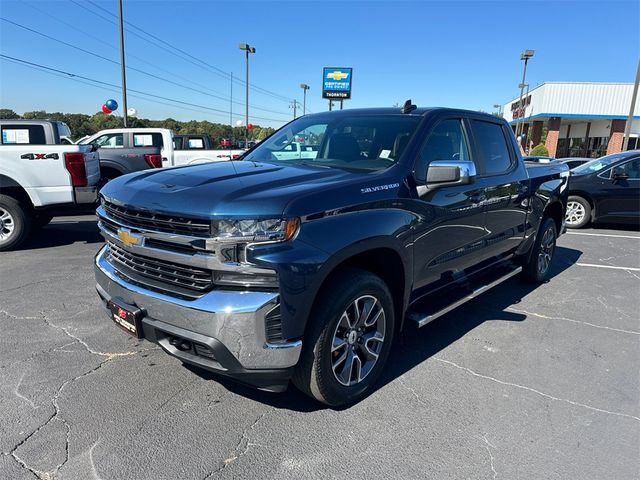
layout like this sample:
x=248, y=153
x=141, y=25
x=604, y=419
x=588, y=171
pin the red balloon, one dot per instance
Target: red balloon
x=106, y=109
x=249, y=126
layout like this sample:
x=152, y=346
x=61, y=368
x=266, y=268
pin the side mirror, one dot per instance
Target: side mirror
x=442, y=173
x=620, y=176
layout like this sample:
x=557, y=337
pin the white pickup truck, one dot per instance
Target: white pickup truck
x=118, y=147
x=40, y=177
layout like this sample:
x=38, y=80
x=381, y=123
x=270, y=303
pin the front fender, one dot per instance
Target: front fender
x=321, y=246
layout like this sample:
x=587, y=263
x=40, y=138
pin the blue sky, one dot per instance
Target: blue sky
x=447, y=53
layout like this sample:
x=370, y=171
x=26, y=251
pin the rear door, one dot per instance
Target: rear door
x=620, y=196
x=505, y=183
x=449, y=236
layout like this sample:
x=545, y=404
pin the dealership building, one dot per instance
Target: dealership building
x=581, y=119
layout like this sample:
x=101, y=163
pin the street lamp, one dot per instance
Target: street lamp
x=526, y=55
x=304, y=87
x=248, y=49
x=499, y=107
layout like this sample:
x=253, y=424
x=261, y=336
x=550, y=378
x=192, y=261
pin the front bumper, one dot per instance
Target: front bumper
x=230, y=324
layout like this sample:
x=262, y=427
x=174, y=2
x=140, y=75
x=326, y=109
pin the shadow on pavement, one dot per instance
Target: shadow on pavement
x=64, y=231
x=413, y=346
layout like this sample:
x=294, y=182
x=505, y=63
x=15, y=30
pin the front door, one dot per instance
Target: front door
x=450, y=233
x=621, y=192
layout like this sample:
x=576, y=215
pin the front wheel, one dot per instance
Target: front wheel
x=539, y=264
x=348, y=339
x=578, y=212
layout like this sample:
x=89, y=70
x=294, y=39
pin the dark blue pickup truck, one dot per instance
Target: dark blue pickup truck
x=271, y=270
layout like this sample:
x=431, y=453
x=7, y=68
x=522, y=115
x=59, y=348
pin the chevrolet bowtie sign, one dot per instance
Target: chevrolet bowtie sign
x=129, y=238
x=336, y=83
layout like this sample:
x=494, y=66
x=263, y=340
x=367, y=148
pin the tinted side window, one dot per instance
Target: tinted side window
x=492, y=147
x=631, y=169
x=177, y=143
x=23, y=134
x=446, y=142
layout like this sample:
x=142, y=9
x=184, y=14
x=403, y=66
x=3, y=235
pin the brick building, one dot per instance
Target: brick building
x=581, y=119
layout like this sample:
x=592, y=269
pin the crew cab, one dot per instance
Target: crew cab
x=41, y=177
x=268, y=270
x=126, y=150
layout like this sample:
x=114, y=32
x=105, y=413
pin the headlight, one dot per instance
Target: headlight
x=275, y=230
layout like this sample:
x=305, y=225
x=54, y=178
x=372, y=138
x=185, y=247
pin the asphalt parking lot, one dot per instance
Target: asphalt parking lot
x=520, y=383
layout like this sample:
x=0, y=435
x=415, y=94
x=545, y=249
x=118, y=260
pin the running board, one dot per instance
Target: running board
x=461, y=295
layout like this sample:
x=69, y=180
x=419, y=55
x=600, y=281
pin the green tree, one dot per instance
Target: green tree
x=7, y=114
x=539, y=151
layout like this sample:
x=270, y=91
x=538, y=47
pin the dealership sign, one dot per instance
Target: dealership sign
x=336, y=83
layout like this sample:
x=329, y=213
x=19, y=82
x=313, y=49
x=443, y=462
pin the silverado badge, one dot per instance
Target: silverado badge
x=128, y=238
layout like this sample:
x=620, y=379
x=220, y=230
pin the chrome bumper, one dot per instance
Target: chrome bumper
x=233, y=318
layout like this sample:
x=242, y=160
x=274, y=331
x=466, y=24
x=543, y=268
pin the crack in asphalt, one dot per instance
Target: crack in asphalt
x=489, y=446
x=546, y=317
x=244, y=439
x=533, y=390
x=106, y=357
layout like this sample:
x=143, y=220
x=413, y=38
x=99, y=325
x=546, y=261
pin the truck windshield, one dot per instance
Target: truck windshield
x=597, y=164
x=354, y=142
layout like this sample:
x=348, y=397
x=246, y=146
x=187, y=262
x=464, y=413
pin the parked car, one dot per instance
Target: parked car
x=126, y=150
x=41, y=177
x=573, y=162
x=606, y=189
x=268, y=270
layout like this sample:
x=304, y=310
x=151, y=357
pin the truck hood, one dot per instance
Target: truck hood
x=225, y=189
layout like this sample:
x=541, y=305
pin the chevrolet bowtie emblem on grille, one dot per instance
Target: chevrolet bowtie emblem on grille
x=129, y=239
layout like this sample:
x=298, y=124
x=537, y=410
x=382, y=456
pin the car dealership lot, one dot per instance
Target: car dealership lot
x=522, y=382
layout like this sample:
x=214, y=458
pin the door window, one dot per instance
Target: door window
x=109, y=140
x=492, y=148
x=446, y=142
x=196, y=144
x=630, y=168
x=147, y=140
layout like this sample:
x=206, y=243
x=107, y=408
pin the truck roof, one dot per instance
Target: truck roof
x=420, y=111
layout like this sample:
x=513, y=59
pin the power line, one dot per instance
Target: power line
x=201, y=62
x=100, y=82
x=132, y=68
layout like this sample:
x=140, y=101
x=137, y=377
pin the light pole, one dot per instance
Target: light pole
x=122, y=67
x=499, y=107
x=526, y=55
x=248, y=49
x=304, y=88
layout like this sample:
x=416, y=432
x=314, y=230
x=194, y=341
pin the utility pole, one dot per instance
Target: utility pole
x=122, y=66
x=634, y=96
x=293, y=105
x=304, y=88
x=231, y=103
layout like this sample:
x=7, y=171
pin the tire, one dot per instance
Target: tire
x=578, y=212
x=344, y=374
x=537, y=267
x=41, y=220
x=15, y=223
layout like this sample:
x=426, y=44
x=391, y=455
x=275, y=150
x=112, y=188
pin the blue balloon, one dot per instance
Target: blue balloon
x=112, y=104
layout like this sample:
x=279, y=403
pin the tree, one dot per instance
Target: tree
x=7, y=114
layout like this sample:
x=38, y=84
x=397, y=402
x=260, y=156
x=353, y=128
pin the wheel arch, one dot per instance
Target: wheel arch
x=11, y=188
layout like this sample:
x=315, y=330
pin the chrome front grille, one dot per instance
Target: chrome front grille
x=157, y=222
x=167, y=277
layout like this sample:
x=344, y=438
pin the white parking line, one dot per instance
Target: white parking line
x=631, y=269
x=603, y=235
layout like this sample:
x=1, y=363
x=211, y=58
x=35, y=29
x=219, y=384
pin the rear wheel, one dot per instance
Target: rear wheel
x=348, y=339
x=15, y=223
x=539, y=264
x=578, y=212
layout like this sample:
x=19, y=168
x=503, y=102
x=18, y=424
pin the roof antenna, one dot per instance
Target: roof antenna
x=408, y=107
